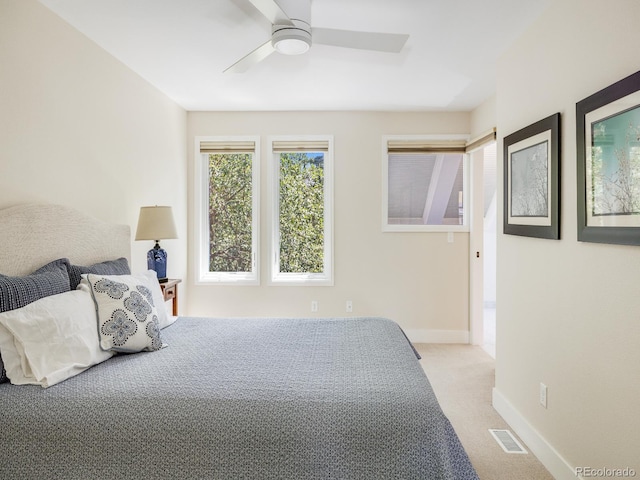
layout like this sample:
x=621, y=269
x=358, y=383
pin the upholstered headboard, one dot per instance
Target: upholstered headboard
x=32, y=235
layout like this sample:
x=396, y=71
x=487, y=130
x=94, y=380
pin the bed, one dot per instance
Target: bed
x=269, y=398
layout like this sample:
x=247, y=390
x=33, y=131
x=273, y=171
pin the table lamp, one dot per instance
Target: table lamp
x=156, y=223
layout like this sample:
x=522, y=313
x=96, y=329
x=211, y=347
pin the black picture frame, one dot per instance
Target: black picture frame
x=602, y=146
x=532, y=180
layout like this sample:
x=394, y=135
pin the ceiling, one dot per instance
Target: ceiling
x=183, y=46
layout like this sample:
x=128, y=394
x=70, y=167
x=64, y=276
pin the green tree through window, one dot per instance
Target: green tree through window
x=230, y=212
x=301, y=212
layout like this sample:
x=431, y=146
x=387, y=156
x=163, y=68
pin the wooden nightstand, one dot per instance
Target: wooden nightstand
x=170, y=292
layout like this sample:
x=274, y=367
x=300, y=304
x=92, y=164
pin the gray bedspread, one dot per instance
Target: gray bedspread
x=240, y=399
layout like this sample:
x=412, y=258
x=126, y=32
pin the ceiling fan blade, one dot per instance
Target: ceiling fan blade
x=253, y=58
x=273, y=12
x=382, y=42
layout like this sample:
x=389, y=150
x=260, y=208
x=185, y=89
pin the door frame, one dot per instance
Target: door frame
x=476, y=243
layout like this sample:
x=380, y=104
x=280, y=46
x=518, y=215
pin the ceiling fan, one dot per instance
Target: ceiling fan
x=292, y=34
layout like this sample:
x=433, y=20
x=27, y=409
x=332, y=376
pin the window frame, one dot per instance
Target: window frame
x=276, y=277
x=201, y=202
x=466, y=192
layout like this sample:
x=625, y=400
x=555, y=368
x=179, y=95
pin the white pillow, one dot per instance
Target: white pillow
x=51, y=339
x=127, y=316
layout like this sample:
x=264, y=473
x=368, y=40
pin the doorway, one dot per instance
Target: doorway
x=483, y=248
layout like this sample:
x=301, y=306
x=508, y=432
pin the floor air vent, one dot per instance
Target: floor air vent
x=507, y=441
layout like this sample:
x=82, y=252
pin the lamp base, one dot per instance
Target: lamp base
x=157, y=261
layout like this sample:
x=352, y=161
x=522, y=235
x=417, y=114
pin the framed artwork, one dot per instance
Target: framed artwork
x=532, y=179
x=608, y=146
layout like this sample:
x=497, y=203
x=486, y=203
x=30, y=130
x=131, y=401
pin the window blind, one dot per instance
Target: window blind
x=481, y=141
x=426, y=146
x=440, y=146
x=301, y=146
x=227, y=146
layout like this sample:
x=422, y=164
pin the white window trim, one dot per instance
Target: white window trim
x=201, y=211
x=386, y=227
x=300, y=279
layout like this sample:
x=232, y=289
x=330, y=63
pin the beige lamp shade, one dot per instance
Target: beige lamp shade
x=156, y=223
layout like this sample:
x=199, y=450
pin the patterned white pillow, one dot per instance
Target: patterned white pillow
x=127, y=316
x=164, y=319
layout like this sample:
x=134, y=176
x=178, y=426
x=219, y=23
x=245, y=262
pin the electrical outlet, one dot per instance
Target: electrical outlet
x=314, y=305
x=349, y=306
x=543, y=395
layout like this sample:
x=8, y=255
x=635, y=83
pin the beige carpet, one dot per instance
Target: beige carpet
x=462, y=377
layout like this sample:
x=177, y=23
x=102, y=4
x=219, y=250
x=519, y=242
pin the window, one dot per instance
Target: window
x=425, y=184
x=227, y=209
x=302, y=216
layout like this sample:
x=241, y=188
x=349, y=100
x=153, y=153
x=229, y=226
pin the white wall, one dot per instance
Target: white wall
x=417, y=279
x=568, y=312
x=79, y=128
x=483, y=118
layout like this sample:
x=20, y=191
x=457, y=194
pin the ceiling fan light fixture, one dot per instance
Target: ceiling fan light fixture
x=292, y=40
x=292, y=46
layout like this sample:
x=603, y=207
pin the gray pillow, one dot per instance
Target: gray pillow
x=51, y=279
x=110, y=267
x=16, y=292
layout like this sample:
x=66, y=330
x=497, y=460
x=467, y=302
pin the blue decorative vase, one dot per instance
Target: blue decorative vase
x=157, y=261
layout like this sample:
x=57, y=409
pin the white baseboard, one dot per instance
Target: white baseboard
x=548, y=456
x=422, y=335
